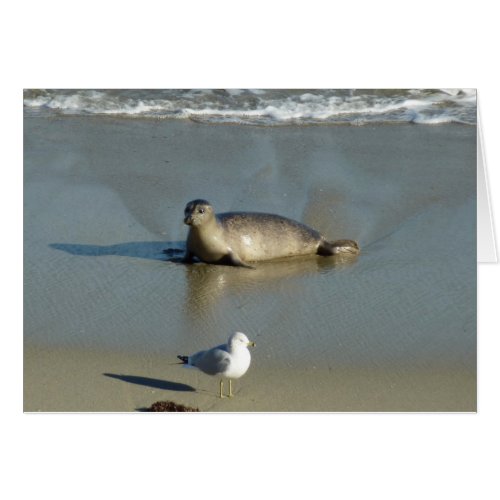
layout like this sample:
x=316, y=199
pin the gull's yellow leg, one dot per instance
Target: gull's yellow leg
x=230, y=389
x=221, y=385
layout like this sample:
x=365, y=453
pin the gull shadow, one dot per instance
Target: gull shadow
x=152, y=250
x=156, y=383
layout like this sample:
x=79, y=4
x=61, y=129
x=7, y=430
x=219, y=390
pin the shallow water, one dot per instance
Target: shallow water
x=104, y=197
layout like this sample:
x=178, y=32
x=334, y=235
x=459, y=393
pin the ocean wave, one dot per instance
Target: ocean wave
x=264, y=107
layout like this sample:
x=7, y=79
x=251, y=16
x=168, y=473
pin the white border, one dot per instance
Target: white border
x=257, y=44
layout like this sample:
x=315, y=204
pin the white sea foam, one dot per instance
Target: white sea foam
x=265, y=107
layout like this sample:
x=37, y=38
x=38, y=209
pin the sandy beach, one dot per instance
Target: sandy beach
x=106, y=313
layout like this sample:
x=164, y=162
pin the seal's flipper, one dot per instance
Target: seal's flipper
x=236, y=261
x=338, y=247
x=231, y=259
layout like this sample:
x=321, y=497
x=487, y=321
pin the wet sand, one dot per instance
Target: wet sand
x=105, y=314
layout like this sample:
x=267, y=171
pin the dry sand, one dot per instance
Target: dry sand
x=105, y=315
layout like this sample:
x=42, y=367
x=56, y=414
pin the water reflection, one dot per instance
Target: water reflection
x=207, y=284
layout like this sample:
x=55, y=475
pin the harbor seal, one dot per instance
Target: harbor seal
x=236, y=238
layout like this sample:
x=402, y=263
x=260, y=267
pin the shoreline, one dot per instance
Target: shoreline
x=114, y=382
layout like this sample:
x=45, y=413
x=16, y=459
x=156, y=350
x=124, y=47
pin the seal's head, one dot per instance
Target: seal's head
x=197, y=212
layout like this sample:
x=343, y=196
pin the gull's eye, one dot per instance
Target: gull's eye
x=201, y=210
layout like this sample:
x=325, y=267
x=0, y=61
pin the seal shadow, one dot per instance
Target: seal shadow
x=152, y=250
x=165, y=385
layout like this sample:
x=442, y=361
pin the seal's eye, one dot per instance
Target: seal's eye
x=201, y=210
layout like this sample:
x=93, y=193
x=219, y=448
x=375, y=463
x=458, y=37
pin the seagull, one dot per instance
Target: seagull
x=230, y=360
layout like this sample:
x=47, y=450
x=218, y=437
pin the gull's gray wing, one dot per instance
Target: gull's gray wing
x=213, y=361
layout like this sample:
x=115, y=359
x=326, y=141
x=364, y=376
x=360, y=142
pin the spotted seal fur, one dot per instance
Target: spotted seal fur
x=237, y=238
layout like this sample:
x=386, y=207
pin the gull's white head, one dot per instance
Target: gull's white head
x=239, y=339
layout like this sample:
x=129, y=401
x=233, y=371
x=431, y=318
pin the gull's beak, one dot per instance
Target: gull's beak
x=188, y=220
x=251, y=344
